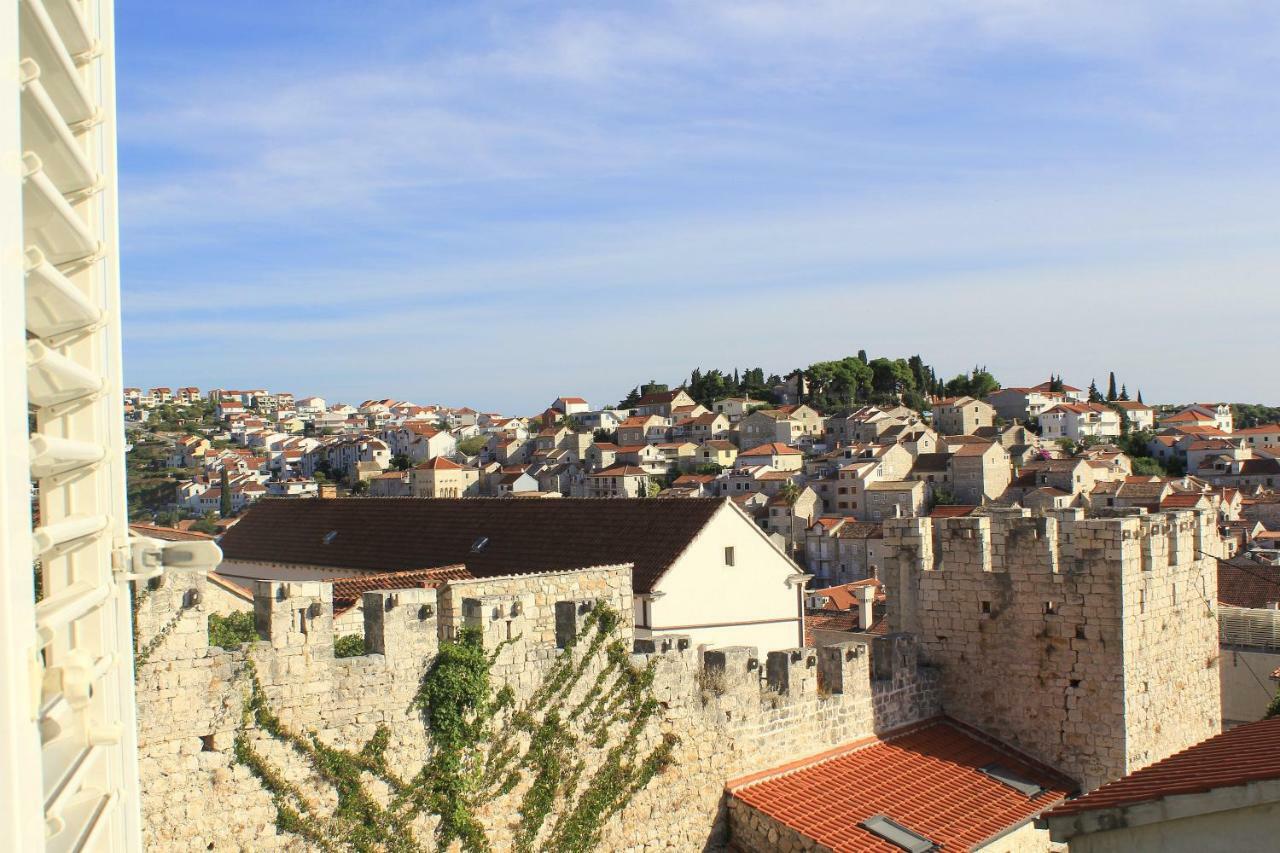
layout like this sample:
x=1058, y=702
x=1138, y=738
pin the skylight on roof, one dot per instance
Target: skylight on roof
x=897, y=834
x=478, y=545
x=1008, y=778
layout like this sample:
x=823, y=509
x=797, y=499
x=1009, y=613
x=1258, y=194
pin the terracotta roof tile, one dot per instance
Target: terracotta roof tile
x=775, y=448
x=347, y=591
x=1247, y=753
x=926, y=777
x=952, y=510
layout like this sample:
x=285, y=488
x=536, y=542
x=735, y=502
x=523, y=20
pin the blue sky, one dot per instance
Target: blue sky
x=496, y=203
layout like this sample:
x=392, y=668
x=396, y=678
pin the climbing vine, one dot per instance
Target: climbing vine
x=143, y=653
x=482, y=746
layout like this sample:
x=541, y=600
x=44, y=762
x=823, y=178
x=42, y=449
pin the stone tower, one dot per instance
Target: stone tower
x=1090, y=643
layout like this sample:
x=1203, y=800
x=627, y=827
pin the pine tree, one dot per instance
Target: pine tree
x=1111, y=387
x=1124, y=392
x=1094, y=395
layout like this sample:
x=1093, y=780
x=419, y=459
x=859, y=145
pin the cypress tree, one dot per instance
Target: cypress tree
x=1111, y=387
x=224, y=499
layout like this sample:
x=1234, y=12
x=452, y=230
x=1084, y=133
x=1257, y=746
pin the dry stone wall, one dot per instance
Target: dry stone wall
x=733, y=710
x=1089, y=643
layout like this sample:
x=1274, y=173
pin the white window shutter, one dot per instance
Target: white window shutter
x=68, y=778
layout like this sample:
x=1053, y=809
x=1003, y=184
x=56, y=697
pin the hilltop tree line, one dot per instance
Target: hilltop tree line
x=833, y=385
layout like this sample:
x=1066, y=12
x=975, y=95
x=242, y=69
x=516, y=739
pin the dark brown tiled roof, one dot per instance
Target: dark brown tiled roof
x=396, y=534
x=931, y=463
x=1245, y=583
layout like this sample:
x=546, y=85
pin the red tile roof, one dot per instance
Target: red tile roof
x=952, y=510
x=169, y=534
x=843, y=597
x=1247, y=753
x=926, y=777
x=347, y=591
x=846, y=622
x=776, y=448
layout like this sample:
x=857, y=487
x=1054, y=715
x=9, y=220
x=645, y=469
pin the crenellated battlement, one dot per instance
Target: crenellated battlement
x=736, y=710
x=1015, y=541
x=1067, y=633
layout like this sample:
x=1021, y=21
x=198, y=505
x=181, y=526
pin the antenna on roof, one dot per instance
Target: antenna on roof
x=478, y=545
x=328, y=538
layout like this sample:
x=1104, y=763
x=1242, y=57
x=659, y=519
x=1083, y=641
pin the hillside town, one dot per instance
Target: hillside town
x=820, y=479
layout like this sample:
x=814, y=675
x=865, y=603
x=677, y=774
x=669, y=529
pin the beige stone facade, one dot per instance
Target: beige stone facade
x=1091, y=644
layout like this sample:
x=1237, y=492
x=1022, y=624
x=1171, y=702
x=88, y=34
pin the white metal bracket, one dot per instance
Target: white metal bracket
x=145, y=558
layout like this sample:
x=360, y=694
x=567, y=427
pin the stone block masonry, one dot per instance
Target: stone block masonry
x=1090, y=643
x=734, y=710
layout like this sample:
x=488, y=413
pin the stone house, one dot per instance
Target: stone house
x=419, y=441
x=718, y=452
x=443, y=478
x=734, y=408
x=980, y=473
x=843, y=549
x=795, y=424
x=779, y=457
x=679, y=455
x=934, y=470
x=570, y=406
x=707, y=427
x=390, y=484
x=646, y=456
x=790, y=519
x=516, y=482
x=619, y=481
x=1140, y=415
x=642, y=429
x=664, y=402
x=892, y=499
x=1023, y=404
x=962, y=415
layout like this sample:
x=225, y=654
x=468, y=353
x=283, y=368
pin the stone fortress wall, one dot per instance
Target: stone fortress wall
x=734, y=711
x=1090, y=643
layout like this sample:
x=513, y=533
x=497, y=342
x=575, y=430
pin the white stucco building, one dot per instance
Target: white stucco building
x=701, y=567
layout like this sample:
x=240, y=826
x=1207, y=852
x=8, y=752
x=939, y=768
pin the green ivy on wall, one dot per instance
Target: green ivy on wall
x=581, y=760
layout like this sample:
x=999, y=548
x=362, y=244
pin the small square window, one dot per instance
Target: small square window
x=728, y=556
x=1050, y=608
x=986, y=607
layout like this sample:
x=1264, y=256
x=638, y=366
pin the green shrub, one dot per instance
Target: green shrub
x=231, y=632
x=348, y=646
